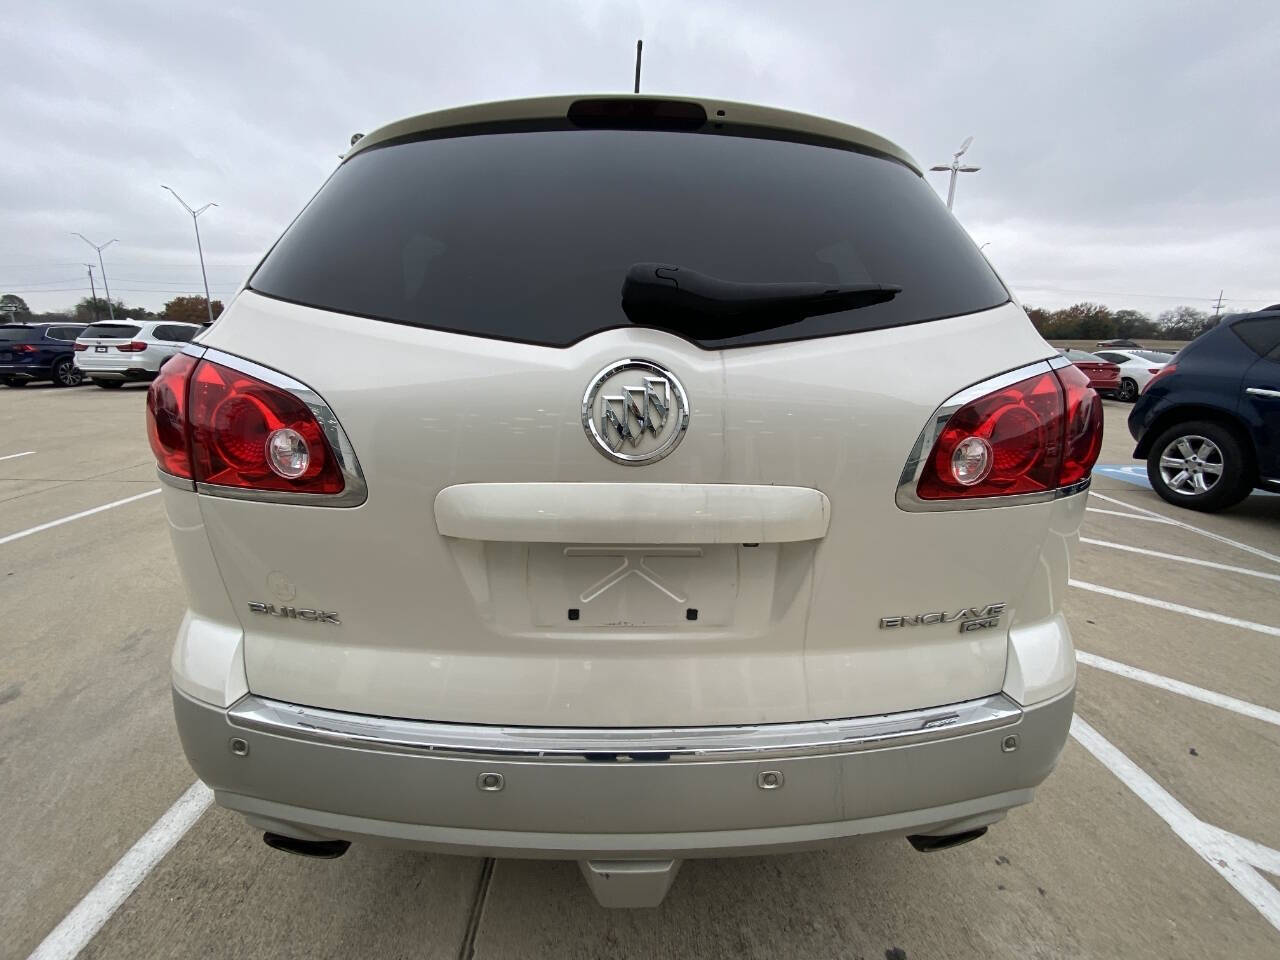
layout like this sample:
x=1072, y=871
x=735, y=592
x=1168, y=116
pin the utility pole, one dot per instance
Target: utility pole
x=93, y=292
x=1218, y=307
x=639, y=50
x=110, y=309
x=955, y=168
x=199, y=249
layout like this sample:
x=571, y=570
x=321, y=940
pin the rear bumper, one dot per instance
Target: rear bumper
x=652, y=793
x=116, y=373
x=26, y=371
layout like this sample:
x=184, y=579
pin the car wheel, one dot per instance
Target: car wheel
x=1200, y=465
x=1128, y=390
x=67, y=374
x=14, y=382
x=109, y=384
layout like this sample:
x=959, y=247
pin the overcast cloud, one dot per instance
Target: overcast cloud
x=1128, y=150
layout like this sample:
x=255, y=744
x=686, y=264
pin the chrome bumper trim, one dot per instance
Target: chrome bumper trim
x=623, y=744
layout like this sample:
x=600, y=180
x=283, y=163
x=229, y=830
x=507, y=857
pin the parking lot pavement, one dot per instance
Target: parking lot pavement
x=1123, y=854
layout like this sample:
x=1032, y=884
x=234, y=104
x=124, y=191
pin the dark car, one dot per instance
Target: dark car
x=1104, y=376
x=1208, y=425
x=39, y=351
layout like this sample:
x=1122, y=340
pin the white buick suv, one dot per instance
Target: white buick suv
x=623, y=480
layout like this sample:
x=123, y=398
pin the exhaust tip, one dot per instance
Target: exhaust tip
x=317, y=849
x=926, y=844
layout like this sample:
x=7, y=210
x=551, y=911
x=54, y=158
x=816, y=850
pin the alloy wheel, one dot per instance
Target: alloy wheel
x=1191, y=465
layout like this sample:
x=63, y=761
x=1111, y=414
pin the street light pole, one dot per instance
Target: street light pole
x=955, y=168
x=199, y=249
x=111, y=311
x=93, y=292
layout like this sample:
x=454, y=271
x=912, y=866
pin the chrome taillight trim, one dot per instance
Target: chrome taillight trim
x=354, y=490
x=906, y=496
x=627, y=744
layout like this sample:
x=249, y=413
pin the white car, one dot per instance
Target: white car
x=623, y=480
x=113, y=353
x=1137, y=367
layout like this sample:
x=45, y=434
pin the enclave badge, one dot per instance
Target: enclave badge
x=969, y=618
x=294, y=613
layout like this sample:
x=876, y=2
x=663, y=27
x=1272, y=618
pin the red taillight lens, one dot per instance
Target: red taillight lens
x=1164, y=371
x=247, y=433
x=137, y=346
x=80, y=347
x=167, y=417
x=23, y=348
x=1036, y=435
x=1082, y=427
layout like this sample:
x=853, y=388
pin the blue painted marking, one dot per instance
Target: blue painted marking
x=1137, y=475
x=1131, y=473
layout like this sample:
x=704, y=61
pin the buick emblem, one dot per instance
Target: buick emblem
x=635, y=411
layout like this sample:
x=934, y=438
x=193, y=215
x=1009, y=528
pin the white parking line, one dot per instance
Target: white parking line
x=1178, y=608
x=1186, y=526
x=1234, y=857
x=75, y=516
x=77, y=928
x=1181, y=559
x=1242, y=707
x=15, y=456
x=1130, y=516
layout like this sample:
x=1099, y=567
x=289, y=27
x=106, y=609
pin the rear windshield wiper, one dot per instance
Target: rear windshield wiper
x=662, y=295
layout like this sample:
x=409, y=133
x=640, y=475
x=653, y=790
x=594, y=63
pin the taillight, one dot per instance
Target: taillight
x=167, y=417
x=1163, y=372
x=250, y=434
x=1032, y=436
x=137, y=346
x=1081, y=427
x=81, y=347
x=23, y=348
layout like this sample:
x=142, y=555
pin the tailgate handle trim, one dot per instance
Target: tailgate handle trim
x=622, y=513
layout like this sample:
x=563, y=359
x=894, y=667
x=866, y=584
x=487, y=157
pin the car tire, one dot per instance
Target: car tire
x=14, y=382
x=66, y=373
x=109, y=384
x=1128, y=391
x=1200, y=465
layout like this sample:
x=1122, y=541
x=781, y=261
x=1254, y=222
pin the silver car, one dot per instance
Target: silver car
x=623, y=480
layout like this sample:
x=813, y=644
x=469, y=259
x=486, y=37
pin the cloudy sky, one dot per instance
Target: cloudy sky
x=1129, y=150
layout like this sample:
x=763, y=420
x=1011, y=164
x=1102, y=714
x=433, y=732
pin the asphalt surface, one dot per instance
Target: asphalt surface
x=89, y=760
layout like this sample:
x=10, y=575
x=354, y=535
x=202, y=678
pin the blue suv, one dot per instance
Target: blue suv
x=39, y=351
x=1208, y=425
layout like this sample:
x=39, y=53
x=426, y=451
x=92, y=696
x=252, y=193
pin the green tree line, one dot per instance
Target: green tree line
x=13, y=309
x=1093, y=321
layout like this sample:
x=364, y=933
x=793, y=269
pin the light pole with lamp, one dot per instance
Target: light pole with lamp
x=111, y=311
x=955, y=168
x=199, y=249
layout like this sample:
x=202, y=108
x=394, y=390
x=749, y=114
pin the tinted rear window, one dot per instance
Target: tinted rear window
x=11, y=334
x=1080, y=356
x=175, y=332
x=110, y=331
x=528, y=236
x=1153, y=356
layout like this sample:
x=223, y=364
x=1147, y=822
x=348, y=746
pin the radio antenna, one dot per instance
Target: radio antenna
x=639, y=50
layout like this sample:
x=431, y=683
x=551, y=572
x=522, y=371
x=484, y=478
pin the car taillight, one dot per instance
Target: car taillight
x=1162, y=372
x=167, y=417
x=23, y=348
x=250, y=434
x=137, y=346
x=1033, y=436
x=80, y=347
